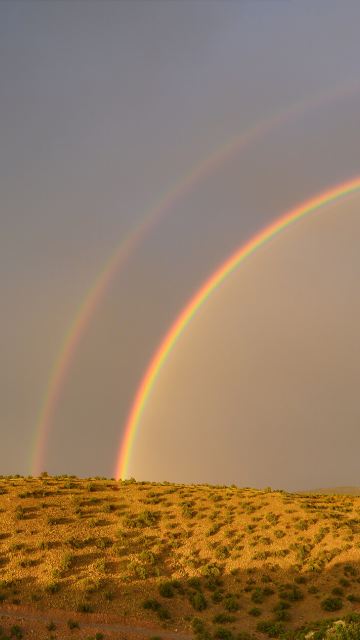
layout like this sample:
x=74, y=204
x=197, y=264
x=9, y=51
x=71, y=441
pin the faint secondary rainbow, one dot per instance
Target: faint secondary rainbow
x=179, y=326
x=98, y=287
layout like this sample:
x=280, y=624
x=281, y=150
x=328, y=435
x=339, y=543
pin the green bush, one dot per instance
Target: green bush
x=16, y=631
x=198, y=601
x=352, y=598
x=281, y=606
x=217, y=596
x=84, y=607
x=337, y=591
x=212, y=583
x=300, y=579
x=313, y=589
x=194, y=583
x=151, y=603
x=331, y=604
x=66, y=560
x=72, y=625
x=282, y=615
x=198, y=625
x=344, y=582
x=230, y=604
x=52, y=587
x=348, y=632
x=222, y=618
x=164, y=614
x=257, y=596
x=211, y=570
x=272, y=629
x=223, y=634
x=255, y=611
x=50, y=626
x=166, y=590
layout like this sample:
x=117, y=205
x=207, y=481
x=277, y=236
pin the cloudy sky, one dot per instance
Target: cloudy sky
x=142, y=143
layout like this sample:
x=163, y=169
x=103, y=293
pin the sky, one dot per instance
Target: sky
x=143, y=142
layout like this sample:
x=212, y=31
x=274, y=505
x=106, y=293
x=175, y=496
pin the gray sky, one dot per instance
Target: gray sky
x=105, y=107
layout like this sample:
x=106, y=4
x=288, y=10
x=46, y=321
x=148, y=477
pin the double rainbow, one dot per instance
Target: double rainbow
x=310, y=206
x=98, y=287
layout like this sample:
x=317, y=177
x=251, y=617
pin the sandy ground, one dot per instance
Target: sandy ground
x=32, y=623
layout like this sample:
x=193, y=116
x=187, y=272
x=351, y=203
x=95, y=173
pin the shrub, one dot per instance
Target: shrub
x=84, y=607
x=72, y=625
x=282, y=615
x=300, y=579
x=16, y=631
x=66, y=560
x=19, y=512
x=164, y=614
x=151, y=603
x=166, y=590
x=257, y=596
x=223, y=617
x=344, y=582
x=230, y=604
x=50, y=626
x=211, y=570
x=100, y=566
x=217, y=596
x=272, y=629
x=353, y=598
x=194, y=583
x=52, y=587
x=147, y=556
x=255, y=611
x=331, y=604
x=198, y=601
x=212, y=583
x=267, y=591
x=108, y=595
x=198, y=625
x=313, y=589
x=281, y=606
x=223, y=634
x=337, y=591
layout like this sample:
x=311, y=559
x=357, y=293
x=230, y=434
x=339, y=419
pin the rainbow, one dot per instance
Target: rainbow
x=271, y=231
x=98, y=287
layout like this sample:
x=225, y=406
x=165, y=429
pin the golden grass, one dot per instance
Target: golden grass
x=107, y=546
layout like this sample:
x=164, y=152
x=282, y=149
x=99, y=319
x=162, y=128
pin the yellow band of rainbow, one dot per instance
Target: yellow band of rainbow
x=272, y=230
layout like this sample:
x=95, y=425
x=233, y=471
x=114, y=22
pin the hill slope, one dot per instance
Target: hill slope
x=168, y=553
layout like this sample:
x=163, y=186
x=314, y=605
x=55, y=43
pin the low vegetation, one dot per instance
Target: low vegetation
x=218, y=562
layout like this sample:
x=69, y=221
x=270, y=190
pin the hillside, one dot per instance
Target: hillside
x=229, y=557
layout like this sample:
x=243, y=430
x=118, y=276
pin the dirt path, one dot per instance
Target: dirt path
x=33, y=624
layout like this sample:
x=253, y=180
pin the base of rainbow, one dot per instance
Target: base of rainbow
x=268, y=233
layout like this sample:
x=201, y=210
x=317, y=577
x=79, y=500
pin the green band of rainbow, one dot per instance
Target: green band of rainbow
x=282, y=223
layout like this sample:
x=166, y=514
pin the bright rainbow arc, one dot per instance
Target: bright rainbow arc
x=272, y=230
x=125, y=248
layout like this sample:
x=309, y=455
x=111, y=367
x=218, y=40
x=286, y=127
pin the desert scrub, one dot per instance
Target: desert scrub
x=166, y=590
x=198, y=600
x=332, y=604
x=230, y=603
x=66, y=561
x=222, y=618
x=52, y=587
x=19, y=512
x=272, y=629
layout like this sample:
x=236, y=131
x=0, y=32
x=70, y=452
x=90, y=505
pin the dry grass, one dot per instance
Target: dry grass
x=105, y=546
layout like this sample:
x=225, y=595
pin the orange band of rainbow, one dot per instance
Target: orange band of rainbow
x=282, y=223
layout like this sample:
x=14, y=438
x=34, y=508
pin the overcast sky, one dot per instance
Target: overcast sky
x=108, y=109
